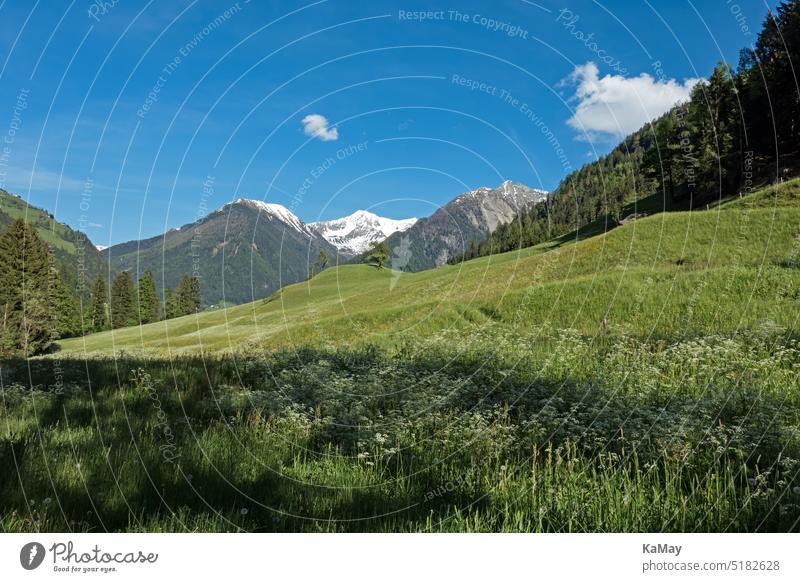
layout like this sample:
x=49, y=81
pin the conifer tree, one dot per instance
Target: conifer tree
x=123, y=306
x=379, y=254
x=170, y=304
x=63, y=306
x=99, y=307
x=26, y=321
x=322, y=261
x=148, y=298
x=188, y=296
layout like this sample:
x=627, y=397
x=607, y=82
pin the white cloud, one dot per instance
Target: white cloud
x=316, y=125
x=614, y=105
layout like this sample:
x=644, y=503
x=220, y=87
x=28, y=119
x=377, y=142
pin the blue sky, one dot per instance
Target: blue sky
x=127, y=118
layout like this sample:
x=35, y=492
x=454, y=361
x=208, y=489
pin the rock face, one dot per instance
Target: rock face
x=244, y=251
x=470, y=217
x=357, y=233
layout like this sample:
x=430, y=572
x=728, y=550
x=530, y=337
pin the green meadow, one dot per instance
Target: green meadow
x=719, y=270
x=640, y=378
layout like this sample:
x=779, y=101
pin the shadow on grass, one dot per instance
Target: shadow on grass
x=360, y=440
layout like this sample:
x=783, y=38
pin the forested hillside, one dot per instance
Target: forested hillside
x=740, y=129
x=73, y=263
x=78, y=260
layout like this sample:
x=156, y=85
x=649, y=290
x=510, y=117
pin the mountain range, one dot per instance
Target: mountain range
x=248, y=249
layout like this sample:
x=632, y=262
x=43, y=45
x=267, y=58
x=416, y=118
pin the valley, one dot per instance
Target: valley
x=614, y=352
x=248, y=249
x=660, y=275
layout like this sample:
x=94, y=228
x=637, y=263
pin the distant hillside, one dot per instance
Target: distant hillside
x=244, y=251
x=72, y=249
x=468, y=218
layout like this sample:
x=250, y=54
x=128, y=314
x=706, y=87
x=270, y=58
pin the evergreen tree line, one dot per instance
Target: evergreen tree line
x=37, y=308
x=740, y=128
x=133, y=304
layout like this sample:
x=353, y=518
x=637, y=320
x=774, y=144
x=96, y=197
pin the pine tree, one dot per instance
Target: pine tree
x=25, y=313
x=170, y=304
x=188, y=296
x=63, y=306
x=123, y=306
x=99, y=307
x=715, y=124
x=661, y=160
x=148, y=299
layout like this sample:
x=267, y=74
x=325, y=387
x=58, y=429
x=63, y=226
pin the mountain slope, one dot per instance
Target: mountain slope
x=243, y=251
x=358, y=232
x=470, y=217
x=78, y=260
x=675, y=273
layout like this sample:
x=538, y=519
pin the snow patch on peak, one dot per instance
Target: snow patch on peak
x=357, y=232
x=275, y=210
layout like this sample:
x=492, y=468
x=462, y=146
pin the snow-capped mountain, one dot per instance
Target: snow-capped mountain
x=488, y=208
x=470, y=217
x=356, y=233
x=248, y=249
x=275, y=212
x=243, y=251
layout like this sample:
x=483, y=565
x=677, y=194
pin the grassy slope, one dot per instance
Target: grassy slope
x=676, y=272
x=497, y=429
x=49, y=230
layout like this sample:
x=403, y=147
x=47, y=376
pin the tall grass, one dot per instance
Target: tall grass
x=544, y=431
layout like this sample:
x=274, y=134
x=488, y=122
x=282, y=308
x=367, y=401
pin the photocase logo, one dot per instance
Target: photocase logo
x=31, y=555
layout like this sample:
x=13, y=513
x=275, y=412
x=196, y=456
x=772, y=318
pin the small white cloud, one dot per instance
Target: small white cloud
x=316, y=125
x=614, y=106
